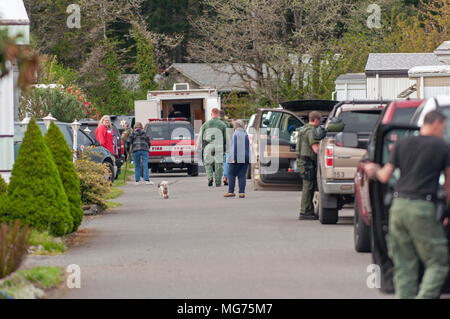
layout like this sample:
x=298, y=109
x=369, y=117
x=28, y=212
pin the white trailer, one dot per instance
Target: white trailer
x=193, y=104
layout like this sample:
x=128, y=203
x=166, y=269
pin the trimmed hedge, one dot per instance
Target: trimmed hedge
x=62, y=156
x=36, y=195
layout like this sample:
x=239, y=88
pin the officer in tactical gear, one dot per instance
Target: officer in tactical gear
x=414, y=231
x=212, y=138
x=307, y=148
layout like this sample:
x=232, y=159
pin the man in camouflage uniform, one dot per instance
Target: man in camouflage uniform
x=307, y=148
x=212, y=138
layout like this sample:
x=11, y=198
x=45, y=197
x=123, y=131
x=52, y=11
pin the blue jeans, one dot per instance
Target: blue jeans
x=138, y=156
x=225, y=166
x=238, y=170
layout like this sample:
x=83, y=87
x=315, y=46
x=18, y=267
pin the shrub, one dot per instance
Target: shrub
x=36, y=195
x=40, y=101
x=3, y=190
x=62, y=156
x=13, y=246
x=3, y=186
x=94, y=185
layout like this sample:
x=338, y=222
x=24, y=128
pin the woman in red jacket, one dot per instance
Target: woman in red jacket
x=104, y=133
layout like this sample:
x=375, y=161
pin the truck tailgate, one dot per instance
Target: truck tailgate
x=345, y=161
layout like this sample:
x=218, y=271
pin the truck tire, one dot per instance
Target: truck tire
x=325, y=215
x=111, y=176
x=192, y=170
x=361, y=232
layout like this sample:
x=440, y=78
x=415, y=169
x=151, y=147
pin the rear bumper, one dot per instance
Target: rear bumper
x=339, y=187
x=179, y=161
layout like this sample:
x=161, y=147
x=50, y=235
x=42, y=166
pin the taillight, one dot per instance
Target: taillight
x=329, y=156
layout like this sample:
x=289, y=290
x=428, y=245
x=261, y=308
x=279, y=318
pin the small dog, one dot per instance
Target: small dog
x=164, y=189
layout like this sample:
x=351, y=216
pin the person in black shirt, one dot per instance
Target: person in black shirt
x=414, y=234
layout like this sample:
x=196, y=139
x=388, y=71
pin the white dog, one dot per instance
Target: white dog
x=164, y=189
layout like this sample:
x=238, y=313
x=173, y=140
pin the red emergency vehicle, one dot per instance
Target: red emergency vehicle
x=172, y=145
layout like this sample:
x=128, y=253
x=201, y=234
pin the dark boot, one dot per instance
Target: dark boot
x=307, y=217
x=210, y=182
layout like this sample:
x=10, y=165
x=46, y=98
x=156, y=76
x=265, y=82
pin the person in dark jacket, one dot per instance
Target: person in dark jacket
x=238, y=158
x=140, y=145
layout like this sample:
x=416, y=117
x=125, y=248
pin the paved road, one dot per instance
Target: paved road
x=198, y=244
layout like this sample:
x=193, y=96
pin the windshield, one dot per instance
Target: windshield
x=359, y=121
x=170, y=131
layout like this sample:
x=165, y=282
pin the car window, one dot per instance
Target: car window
x=359, y=121
x=403, y=115
x=19, y=132
x=83, y=141
x=288, y=126
x=157, y=131
x=270, y=120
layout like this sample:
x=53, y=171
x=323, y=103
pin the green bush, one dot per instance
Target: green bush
x=62, y=156
x=13, y=246
x=36, y=195
x=94, y=184
x=40, y=101
x=3, y=186
x=3, y=190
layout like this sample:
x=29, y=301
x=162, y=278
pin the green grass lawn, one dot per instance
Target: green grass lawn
x=22, y=284
x=49, y=244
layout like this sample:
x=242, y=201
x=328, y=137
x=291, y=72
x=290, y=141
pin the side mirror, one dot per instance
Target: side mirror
x=335, y=125
x=347, y=139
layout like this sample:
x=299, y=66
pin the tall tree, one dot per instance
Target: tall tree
x=270, y=43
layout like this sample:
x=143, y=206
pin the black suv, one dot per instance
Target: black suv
x=92, y=125
x=97, y=153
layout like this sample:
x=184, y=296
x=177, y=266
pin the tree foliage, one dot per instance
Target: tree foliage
x=39, y=102
x=145, y=62
x=62, y=156
x=36, y=194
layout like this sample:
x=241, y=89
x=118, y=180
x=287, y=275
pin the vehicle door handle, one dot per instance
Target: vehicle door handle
x=344, y=156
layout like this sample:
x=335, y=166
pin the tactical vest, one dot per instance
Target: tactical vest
x=303, y=148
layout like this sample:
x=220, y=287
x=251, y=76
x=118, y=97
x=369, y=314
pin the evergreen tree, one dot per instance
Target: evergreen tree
x=3, y=192
x=145, y=63
x=63, y=159
x=3, y=186
x=36, y=195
